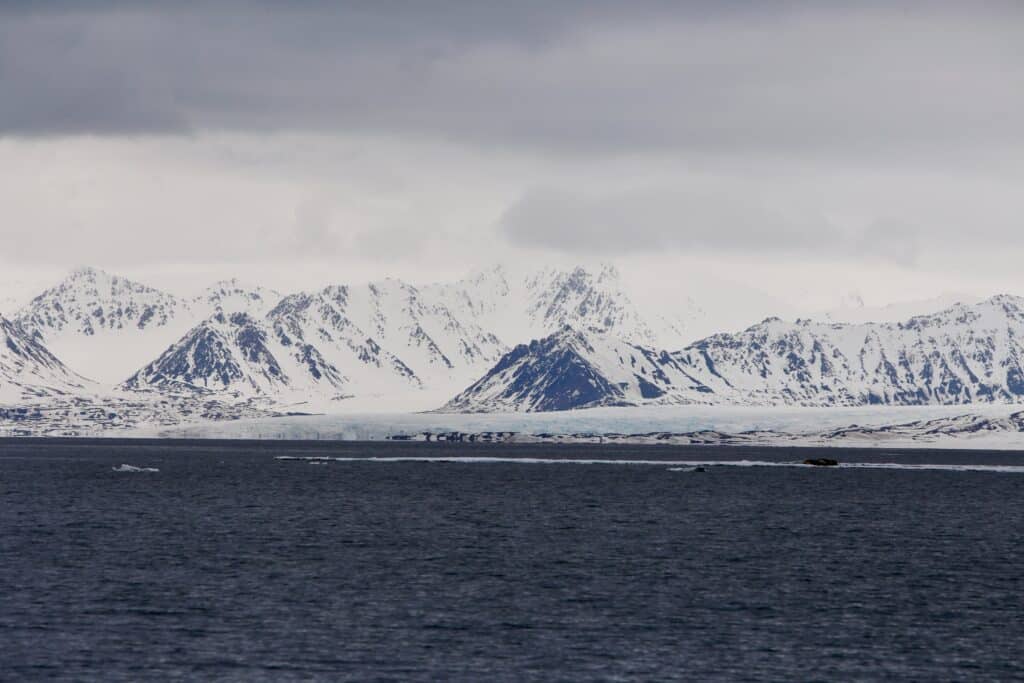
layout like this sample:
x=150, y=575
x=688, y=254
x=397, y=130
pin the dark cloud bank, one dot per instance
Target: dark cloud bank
x=797, y=109
x=841, y=79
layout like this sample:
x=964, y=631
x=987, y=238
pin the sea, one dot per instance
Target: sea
x=144, y=560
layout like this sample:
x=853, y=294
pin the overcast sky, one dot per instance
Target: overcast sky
x=798, y=150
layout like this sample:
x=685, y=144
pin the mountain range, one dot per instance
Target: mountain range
x=967, y=353
x=550, y=339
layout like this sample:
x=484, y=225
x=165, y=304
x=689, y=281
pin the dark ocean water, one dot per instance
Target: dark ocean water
x=230, y=564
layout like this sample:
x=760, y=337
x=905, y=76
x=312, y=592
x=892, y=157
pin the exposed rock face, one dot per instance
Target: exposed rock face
x=572, y=369
x=391, y=337
x=236, y=354
x=965, y=354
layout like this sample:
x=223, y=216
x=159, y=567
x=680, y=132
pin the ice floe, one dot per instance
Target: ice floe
x=132, y=468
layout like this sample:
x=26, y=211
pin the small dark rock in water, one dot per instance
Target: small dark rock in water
x=821, y=462
x=699, y=469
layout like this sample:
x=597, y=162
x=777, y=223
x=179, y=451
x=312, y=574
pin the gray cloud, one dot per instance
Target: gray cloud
x=662, y=218
x=728, y=219
x=702, y=78
x=890, y=240
x=378, y=136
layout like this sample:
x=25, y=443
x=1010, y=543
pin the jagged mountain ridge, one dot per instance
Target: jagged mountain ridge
x=239, y=355
x=580, y=299
x=89, y=301
x=384, y=337
x=964, y=354
x=234, y=296
x=107, y=327
x=525, y=306
x=575, y=369
x=28, y=369
x=391, y=337
x=387, y=327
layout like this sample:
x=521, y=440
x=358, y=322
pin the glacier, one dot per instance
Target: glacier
x=999, y=427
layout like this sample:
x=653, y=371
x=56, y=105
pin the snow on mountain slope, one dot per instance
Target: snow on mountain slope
x=524, y=306
x=232, y=296
x=106, y=327
x=387, y=333
x=584, y=300
x=965, y=354
x=492, y=299
x=381, y=339
x=387, y=336
x=89, y=301
x=397, y=344
x=853, y=310
x=575, y=369
x=28, y=370
x=239, y=355
x=391, y=339
x=103, y=325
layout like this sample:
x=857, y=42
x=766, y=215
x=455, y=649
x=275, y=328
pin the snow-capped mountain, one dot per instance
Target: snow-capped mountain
x=233, y=296
x=28, y=369
x=545, y=340
x=387, y=335
x=585, y=300
x=383, y=338
x=579, y=369
x=322, y=319
x=524, y=306
x=239, y=355
x=964, y=354
x=89, y=301
x=105, y=326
